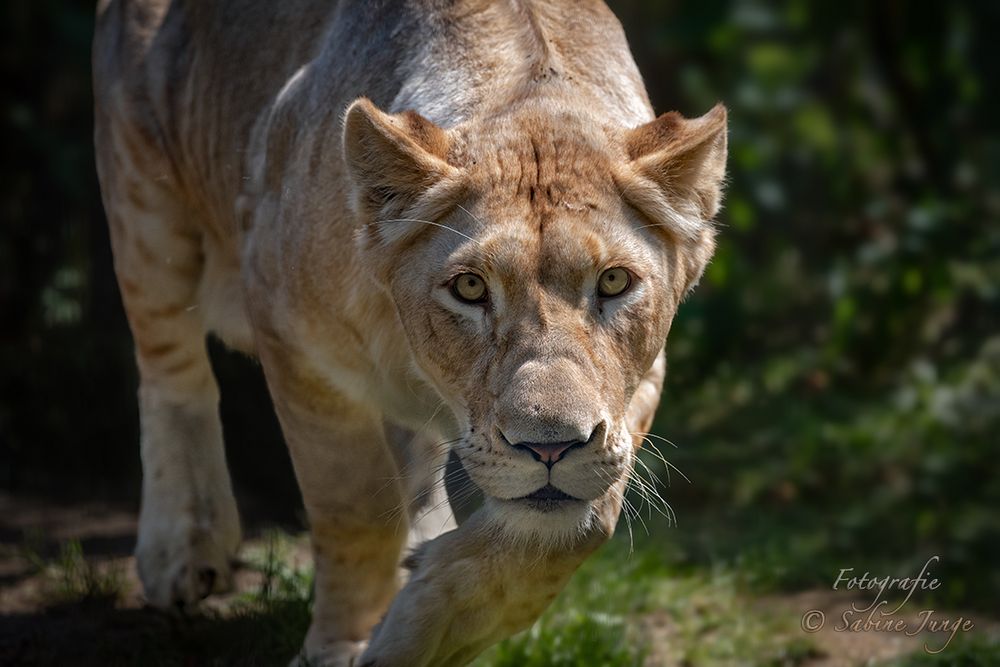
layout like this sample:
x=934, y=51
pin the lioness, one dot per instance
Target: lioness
x=444, y=229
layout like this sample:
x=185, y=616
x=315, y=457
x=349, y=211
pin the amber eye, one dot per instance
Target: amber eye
x=613, y=282
x=469, y=287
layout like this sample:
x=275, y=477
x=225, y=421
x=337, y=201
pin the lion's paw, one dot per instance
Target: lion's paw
x=181, y=563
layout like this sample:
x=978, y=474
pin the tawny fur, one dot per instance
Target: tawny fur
x=303, y=179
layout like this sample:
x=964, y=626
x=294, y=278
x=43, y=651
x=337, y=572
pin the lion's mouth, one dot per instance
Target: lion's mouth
x=548, y=493
x=549, y=499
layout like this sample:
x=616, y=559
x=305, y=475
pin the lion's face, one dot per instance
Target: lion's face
x=536, y=327
x=534, y=292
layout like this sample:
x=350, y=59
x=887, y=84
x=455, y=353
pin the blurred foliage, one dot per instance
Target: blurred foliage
x=834, y=382
x=68, y=415
x=962, y=652
x=67, y=383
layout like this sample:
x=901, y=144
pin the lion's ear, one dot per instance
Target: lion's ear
x=684, y=158
x=398, y=166
x=675, y=176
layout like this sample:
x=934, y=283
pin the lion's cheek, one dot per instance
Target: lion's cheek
x=444, y=349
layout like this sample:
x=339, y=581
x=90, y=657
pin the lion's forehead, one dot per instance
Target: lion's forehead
x=550, y=162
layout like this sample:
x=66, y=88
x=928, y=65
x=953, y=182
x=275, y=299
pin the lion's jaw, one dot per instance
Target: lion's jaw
x=530, y=501
x=540, y=371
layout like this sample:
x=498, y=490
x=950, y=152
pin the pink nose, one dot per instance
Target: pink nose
x=549, y=453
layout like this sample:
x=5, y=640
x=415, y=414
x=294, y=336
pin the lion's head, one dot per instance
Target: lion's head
x=536, y=260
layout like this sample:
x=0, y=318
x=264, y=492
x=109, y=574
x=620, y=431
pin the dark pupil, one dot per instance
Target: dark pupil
x=611, y=277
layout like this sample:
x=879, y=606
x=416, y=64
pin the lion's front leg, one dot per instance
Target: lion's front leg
x=355, y=505
x=472, y=587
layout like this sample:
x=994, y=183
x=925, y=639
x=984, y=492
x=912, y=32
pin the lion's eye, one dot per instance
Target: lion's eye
x=613, y=282
x=469, y=287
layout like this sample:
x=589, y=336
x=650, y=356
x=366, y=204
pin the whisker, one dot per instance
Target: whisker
x=466, y=211
x=651, y=487
x=427, y=222
x=655, y=494
x=468, y=490
x=405, y=472
x=658, y=437
x=627, y=507
x=659, y=454
x=438, y=485
x=656, y=454
x=638, y=484
x=628, y=523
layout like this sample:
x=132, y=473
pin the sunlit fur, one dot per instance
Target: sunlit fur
x=303, y=179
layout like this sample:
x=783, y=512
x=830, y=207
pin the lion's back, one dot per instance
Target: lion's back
x=188, y=79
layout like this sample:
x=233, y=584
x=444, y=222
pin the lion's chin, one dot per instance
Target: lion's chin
x=544, y=521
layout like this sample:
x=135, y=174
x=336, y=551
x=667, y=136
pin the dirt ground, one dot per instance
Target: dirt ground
x=36, y=628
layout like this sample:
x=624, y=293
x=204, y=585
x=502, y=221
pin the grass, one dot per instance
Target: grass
x=578, y=638
x=264, y=626
x=625, y=608
x=637, y=602
x=962, y=652
x=70, y=578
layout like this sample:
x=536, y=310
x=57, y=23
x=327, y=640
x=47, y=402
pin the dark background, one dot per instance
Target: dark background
x=834, y=386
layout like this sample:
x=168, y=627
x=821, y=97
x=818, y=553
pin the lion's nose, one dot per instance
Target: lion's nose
x=548, y=452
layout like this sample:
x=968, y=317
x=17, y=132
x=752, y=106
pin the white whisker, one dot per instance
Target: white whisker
x=466, y=211
x=426, y=222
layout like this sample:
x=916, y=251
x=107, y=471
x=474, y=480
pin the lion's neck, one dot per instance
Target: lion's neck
x=476, y=59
